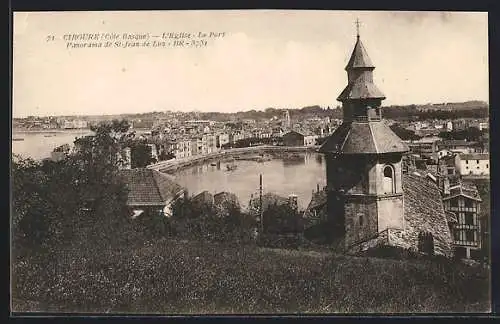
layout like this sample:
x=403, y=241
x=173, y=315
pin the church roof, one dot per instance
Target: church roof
x=424, y=212
x=359, y=57
x=360, y=89
x=363, y=138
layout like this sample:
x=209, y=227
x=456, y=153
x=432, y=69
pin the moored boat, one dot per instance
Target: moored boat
x=231, y=167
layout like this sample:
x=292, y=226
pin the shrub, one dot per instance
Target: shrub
x=395, y=252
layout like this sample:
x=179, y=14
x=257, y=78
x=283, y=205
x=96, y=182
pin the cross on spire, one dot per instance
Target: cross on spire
x=357, y=27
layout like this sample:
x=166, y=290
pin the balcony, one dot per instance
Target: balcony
x=467, y=243
x=466, y=226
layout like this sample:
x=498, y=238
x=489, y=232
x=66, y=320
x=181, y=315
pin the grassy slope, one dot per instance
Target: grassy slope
x=191, y=277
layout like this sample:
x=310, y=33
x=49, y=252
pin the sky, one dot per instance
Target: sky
x=267, y=58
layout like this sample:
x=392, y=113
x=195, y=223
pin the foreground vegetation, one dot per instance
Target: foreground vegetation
x=168, y=276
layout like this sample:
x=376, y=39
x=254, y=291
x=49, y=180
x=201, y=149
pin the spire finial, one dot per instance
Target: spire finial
x=357, y=27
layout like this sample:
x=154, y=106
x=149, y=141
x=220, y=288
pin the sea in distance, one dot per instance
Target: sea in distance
x=300, y=176
x=39, y=144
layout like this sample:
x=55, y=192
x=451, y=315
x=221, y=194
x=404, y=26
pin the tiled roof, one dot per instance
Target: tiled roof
x=225, y=197
x=203, y=197
x=424, y=212
x=362, y=138
x=149, y=187
x=474, y=156
x=267, y=200
x=318, y=203
x=293, y=132
x=224, y=202
x=359, y=57
x=360, y=89
x=468, y=190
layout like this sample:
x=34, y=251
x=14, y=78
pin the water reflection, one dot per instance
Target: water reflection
x=319, y=158
x=300, y=176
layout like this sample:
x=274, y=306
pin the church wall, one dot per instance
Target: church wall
x=335, y=203
x=390, y=213
x=347, y=173
x=358, y=173
x=360, y=219
x=331, y=170
x=336, y=213
x=374, y=178
x=377, y=174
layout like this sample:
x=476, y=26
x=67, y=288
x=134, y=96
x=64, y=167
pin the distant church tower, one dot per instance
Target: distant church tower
x=287, y=120
x=363, y=160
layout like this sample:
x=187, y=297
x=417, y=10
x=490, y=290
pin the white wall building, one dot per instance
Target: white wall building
x=183, y=149
x=477, y=164
x=222, y=139
x=484, y=126
x=310, y=140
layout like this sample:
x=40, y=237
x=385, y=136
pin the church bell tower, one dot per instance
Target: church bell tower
x=363, y=160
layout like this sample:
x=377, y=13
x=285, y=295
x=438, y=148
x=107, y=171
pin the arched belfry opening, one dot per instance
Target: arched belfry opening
x=389, y=186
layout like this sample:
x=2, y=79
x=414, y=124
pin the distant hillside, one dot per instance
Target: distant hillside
x=469, y=109
x=455, y=106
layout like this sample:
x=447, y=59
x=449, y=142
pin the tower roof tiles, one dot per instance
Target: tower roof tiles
x=363, y=138
x=359, y=57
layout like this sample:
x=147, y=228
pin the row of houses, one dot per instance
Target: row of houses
x=434, y=147
x=185, y=147
x=424, y=128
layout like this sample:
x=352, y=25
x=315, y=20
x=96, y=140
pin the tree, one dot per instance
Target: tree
x=56, y=203
x=201, y=220
x=29, y=203
x=140, y=155
x=403, y=133
x=98, y=156
x=281, y=219
x=469, y=134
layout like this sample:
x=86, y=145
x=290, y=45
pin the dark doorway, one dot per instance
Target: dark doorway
x=426, y=243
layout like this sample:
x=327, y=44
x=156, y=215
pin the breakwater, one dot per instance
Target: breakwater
x=244, y=153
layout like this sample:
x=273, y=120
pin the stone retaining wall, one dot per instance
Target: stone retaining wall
x=177, y=164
